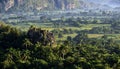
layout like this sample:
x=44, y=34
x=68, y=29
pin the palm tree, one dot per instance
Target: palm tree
x=27, y=43
x=63, y=50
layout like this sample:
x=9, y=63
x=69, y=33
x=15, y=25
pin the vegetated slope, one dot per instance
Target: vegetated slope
x=32, y=5
x=38, y=4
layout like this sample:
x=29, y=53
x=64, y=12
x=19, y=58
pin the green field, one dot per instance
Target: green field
x=50, y=27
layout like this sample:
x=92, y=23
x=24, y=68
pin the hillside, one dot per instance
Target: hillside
x=38, y=4
x=32, y=5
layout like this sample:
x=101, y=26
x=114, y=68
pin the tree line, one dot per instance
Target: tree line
x=18, y=51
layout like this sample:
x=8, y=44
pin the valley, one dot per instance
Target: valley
x=76, y=20
x=60, y=34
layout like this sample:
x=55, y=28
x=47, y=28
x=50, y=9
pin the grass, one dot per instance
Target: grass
x=114, y=36
x=65, y=36
x=95, y=35
x=90, y=26
x=49, y=26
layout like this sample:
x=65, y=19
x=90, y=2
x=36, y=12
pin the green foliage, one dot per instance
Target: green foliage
x=17, y=51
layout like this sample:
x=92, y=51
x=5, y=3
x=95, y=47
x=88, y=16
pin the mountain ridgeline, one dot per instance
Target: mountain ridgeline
x=28, y=5
x=32, y=5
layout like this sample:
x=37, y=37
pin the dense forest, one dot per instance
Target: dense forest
x=38, y=49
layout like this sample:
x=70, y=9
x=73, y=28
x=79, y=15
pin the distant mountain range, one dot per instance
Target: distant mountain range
x=32, y=5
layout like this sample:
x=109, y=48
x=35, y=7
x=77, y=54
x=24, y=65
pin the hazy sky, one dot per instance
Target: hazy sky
x=112, y=3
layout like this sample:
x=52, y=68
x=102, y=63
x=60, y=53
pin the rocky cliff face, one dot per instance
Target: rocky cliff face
x=5, y=5
x=38, y=4
x=31, y=5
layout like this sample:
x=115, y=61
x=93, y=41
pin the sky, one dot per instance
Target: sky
x=111, y=3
